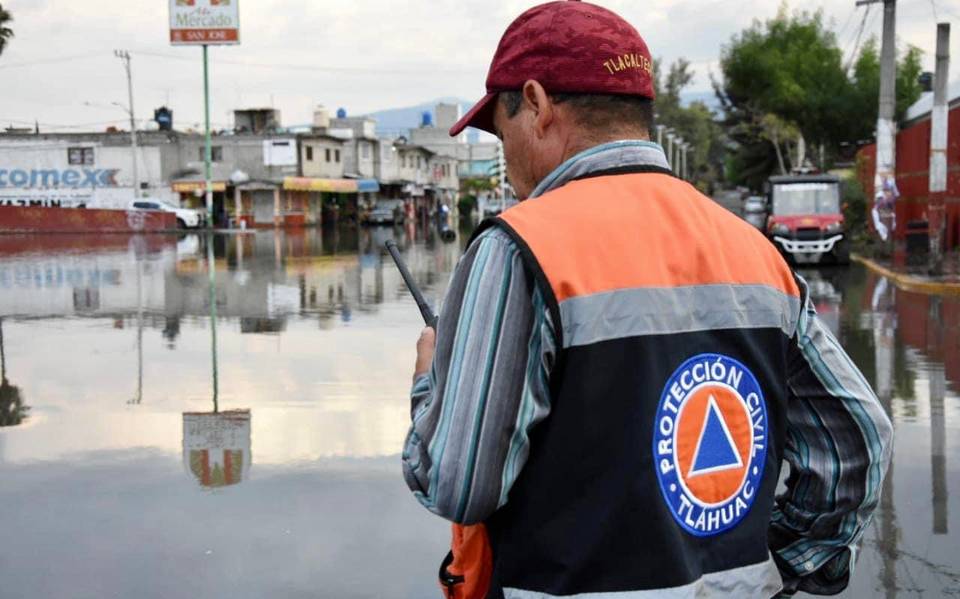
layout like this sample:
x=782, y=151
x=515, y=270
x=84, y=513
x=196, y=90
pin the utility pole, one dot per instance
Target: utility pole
x=670, y=138
x=124, y=57
x=502, y=169
x=677, y=144
x=938, y=149
x=884, y=180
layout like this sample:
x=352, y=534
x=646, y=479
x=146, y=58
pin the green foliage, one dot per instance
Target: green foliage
x=908, y=84
x=854, y=205
x=466, y=204
x=5, y=31
x=791, y=67
x=695, y=123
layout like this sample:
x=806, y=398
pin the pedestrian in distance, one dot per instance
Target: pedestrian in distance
x=622, y=369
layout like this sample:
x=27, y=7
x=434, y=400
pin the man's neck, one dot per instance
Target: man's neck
x=586, y=141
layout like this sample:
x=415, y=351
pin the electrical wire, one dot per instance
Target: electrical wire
x=856, y=45
x=843, y=29
x=302, y=67
x=18, y=65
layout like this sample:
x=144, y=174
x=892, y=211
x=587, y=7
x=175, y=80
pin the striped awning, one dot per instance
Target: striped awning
x=331, y=185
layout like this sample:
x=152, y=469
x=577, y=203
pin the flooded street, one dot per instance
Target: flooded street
x=121, y=476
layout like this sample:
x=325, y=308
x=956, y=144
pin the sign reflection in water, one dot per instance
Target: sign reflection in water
x=216, y=446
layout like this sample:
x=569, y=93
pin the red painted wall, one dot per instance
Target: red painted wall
x=20, y=244
x=913, y=172
x=36, y=219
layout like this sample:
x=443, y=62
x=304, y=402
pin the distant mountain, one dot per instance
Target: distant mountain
x=707, y=97
x=392, y=122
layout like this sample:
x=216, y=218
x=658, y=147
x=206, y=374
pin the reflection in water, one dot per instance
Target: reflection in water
x=315, y=333
x=12, y=408
x=938, y=431
x=216, y=446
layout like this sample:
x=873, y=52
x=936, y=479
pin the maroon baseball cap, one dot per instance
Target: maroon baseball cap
x=569, y=47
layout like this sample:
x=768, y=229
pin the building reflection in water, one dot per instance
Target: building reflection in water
x=216, y=447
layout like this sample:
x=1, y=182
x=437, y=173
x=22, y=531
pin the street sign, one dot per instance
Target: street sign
x=204, y=22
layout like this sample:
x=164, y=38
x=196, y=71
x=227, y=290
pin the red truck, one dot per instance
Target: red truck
x=806, y=222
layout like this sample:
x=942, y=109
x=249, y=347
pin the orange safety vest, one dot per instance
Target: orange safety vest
x=657, y=465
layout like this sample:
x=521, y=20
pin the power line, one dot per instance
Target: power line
x=302, y=67
x=856, y=45
x=843, y=29
x=17, y=65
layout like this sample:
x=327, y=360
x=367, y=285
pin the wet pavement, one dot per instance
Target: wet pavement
x=117, y=479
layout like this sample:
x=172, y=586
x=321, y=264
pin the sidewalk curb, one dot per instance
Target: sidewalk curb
x=909, y=282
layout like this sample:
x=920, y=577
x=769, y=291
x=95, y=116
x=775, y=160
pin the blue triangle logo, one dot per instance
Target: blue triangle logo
x=715, y=450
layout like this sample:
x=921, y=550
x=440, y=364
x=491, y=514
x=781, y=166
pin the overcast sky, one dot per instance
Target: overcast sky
x=363, y=55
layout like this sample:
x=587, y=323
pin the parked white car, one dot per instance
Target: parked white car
x=187, y=218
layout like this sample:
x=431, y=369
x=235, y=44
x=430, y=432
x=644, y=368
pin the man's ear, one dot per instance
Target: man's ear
x=536, y=99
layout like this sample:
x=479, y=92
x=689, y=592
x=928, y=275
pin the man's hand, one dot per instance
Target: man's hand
x=425, y=345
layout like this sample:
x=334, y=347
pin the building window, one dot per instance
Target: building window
x=336, y=155
x=328, y=154
x=418, y=163
x=309, y=153
x=216, y=154
x=365, y=150
x=80, y=156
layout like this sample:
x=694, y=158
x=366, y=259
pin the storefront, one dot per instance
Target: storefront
x=192, y=193
x=255, y=204
x=313, y=201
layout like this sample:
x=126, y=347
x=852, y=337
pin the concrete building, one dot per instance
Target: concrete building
x=359, y=142
x=321, y=155
x=89, y=169
x=256, y=120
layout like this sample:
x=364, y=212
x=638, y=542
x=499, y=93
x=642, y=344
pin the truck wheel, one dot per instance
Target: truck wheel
x=181, y=224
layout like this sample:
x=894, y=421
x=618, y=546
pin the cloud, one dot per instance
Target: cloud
x=363, y=55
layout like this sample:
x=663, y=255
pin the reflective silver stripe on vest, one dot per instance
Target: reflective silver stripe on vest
x=661, y=310
x=760, y=581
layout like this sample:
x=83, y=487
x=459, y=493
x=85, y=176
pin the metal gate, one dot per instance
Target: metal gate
x=263, y=207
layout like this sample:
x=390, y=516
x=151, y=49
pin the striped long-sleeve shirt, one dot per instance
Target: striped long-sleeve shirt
x=488, y=388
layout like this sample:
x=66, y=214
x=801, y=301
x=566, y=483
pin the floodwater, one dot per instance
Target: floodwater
x=122, y=476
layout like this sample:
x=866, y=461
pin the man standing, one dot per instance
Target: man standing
x=621, y=366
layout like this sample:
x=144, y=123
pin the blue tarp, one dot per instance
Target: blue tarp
x=368, y=185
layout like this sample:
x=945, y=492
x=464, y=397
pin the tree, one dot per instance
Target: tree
x=695, y=123
x=5, y=32
x=787, y=74
x=789, y=66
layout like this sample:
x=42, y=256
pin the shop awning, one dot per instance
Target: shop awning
x=190, y=186
x=368, y=185
x=331, y=185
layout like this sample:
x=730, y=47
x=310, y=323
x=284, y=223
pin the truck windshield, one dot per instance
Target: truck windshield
x=794, y=199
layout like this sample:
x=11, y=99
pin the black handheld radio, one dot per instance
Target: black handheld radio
x=429, y=318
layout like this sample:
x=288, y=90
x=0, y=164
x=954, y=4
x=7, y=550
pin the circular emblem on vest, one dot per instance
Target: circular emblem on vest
x=710, y=443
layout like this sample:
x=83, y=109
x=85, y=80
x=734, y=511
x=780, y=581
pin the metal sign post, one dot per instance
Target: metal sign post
x=207, y=149
x=205, y=23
